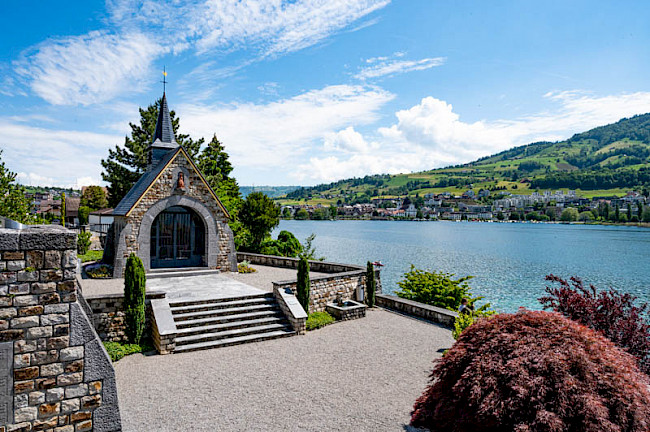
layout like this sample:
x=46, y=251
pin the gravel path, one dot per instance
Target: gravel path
x=361, y=375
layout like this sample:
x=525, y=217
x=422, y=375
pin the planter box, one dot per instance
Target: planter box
x=347, y=311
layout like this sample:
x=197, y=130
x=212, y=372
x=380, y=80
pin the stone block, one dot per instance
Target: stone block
x=25, y=322
x=7, y=256
x=24, y=374
x=15, y=265
x=70, y=379
x=72, y=404
x=69, y=297
x=5, y=301
x=51, y=275
x=52, y=259
x=44, y=357
x=25, y=414
x=27, y=276
x=38, y=332
x=74, y=366
x=4, y=289
x=94, y=387
x=81, y=416
x=45, y=383
x=21, y=400
x=49, y=409
x=84, y=426
x=7, y=313
x=22, y=360
x=49, y=298
x=57, y=308
x=72, y=353
x=43, y=287
x=23, y=386
x=45, y=424
x=70, y=259
x=66, y=428
x=18, y=289
x=47, y=237
x=11, y=335
x=36, y=398
x=75, y=391
x=54, y=319
x=34, y=259
x=67, y=286
x=58, y=342
x=24, y=346
x=51, y=369
x=7, y=278
x=30, y=310
x=90, y=402
x=55, y=394
x=9, y=240
x=25, y=300
x=61, y=330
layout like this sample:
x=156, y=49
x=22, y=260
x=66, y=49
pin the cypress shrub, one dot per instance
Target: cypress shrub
x=302, y=288
x=371, y=284
x=134, y=293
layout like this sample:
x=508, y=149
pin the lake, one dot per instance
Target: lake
x=508, y=260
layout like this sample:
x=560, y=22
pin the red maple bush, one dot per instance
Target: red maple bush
x=534, y=371
x=611, y=313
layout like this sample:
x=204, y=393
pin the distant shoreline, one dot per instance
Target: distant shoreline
x=627, y=224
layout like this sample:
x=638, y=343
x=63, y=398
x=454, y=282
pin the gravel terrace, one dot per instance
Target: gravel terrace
x=361, y=375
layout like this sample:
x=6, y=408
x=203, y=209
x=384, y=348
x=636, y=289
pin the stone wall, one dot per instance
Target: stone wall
x=108, y=315
x=416, y=309
x=54, y=372
x=132, y=232
x=288, y=262
x=292, y=309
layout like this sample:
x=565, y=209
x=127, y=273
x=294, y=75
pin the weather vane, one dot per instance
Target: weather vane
x=163, y=80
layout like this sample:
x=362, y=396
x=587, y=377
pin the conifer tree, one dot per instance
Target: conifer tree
x=63, y=209
x=302, y=286
x=371, y=284
x=134, y=296
x=125, y=164
x=215, y=166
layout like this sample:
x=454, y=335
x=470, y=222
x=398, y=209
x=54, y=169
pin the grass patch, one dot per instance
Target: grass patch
x=92, y=255
x=317, y=320
x=117, y=350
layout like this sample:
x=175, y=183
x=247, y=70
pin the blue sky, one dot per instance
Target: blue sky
x=303, y=92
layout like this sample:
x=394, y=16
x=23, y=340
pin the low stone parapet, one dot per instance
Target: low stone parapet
x=291, y=308
x=163, y=327
x=420, y=310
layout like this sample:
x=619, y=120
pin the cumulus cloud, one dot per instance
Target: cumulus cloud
x=430, y=135
x=277, y=133
x=387, y=66
x=88, y=69
x=71, y=155
x=346, y=140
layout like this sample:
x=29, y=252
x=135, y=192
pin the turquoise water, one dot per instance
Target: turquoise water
x=509, y=261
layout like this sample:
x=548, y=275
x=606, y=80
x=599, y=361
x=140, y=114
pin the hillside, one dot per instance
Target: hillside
x=607, y=160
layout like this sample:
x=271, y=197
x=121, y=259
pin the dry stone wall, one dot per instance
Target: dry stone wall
x=54, y=372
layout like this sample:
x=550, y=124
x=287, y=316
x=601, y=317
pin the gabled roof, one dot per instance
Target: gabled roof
x=144, y=183
x=164, y=129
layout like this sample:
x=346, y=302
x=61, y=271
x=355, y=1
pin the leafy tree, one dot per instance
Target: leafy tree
x=333, y=212
x=286, y=213
x=134, y=297
x=259, y=215
x=302, y=285
x=301, y=214
x=436, y=288
x=13, y=202
x=646, y=215
x=286, y=245
x=94, y=198
x=534, y=371
x=569, y=215
x=585, y=216
x=125, y=164
x=611, y=313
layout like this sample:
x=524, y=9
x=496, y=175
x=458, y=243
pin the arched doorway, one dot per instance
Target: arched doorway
x=177, y=238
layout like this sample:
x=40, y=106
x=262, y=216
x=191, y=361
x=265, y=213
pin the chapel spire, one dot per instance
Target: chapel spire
x=163, y=140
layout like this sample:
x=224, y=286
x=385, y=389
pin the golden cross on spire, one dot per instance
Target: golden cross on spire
x=163, y=80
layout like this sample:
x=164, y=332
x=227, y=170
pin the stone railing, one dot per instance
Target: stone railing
x=346, y=281
x=420, y=310
x=163, y=327
x=291, y=309
x=54, y=371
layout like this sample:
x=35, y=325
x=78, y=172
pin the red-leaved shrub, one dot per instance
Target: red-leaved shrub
x=534, y=371
x=611, y=313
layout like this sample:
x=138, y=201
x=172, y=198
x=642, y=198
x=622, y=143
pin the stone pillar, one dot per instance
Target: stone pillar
x=54, y=372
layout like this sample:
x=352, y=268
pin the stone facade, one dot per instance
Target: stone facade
x=108, y=315
x=132, y=232
x=58, y=376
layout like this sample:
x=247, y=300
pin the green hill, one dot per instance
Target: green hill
x=607, y=160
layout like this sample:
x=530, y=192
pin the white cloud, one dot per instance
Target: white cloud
x=54, y=157
x=88, y=69
x=346, y=140
x=430, y=135
x=276, y=134
x=386, y=66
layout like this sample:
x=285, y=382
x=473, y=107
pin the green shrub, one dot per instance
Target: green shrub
x=435, y=288
x=99, y=271
x=569, y=215
x=465, y=320
x=302, y=287
x=134, y=295
x=371, y=284
x=83, y=242
x=317, y=320
x=91, y=255
x=245, y=267
x=117, y=350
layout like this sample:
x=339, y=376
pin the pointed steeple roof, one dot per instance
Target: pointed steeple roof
x=164, y=128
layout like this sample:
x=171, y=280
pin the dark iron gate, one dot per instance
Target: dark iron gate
x=177, y=239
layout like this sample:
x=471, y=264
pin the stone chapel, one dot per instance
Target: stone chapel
x=171, y=217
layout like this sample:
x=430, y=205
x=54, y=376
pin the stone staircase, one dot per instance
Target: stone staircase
x=180, y=272
x=212, y=323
